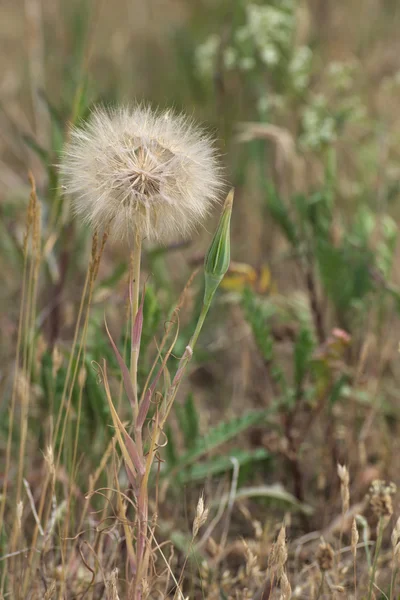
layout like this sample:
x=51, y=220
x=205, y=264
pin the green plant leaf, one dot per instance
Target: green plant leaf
x=57, y=124
x=222, y=433
x=170, y=449
x=303, y=350
x=345, y=273
x=37, y=148
x=337, y=389
x=280, y=213
x=273, y=492
x=222, y=464
x=188, y=420
x=258, y=315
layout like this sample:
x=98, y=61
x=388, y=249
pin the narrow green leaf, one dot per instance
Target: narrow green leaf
x=273, y=492
x=221, y=434
x=303, y=350
x=337, y=389
x=170, y=449
x=192, y=419
x=279, y=212
x=188, y=420
x=222, y=464
x=37, y=148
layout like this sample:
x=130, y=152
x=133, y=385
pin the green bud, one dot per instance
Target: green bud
x=218, y=256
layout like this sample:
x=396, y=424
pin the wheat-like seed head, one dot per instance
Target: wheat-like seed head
x=344, y=477
x=141, y=173
x=201, y=516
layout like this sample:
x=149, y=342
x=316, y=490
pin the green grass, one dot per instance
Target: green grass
x=290, y=377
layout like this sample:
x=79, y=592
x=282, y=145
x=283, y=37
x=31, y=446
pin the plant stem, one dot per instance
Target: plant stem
x=376, y=556
x=183, y=364
x=142, y=499
x=204, y=310
x=316, y=310
x=135, y=285
x=393, y=582
x=321, y=587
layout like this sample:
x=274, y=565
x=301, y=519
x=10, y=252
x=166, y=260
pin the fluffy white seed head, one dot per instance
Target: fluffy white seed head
x=140, y=173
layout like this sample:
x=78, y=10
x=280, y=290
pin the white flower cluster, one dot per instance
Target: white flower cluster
x=300, y=68
x=206, y=55
x=264, y=41
x=324, y=117
x=271, y=28
x=319, y=127
x=341, y=75
x=271, y=103
x=266, y=36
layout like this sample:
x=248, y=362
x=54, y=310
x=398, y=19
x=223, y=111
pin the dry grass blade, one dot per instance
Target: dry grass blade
x=124, y=370
x=130, y=455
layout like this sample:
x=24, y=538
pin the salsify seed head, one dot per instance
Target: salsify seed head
x=137, y=172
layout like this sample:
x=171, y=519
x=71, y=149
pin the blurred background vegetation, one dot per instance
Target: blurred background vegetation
x=297, y=369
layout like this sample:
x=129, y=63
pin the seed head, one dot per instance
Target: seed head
x=140, y=173
x=380, y=498
x=20, y=510
x=201, y=516
x=279, y=553
x=112, y=585
x=286, y=589
x=354, y=538
x=325, y=556
x=344, y=486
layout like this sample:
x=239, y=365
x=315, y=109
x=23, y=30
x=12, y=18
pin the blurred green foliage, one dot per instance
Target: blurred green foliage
x=230, y=62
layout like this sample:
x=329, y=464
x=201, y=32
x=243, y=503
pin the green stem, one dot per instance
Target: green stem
x=376, y=556
x=169, y=400
x=200, y=322
x=393, y=581
x=143, y=494
x=321, y=586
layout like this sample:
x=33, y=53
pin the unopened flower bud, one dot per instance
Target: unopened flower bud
x=219, y=254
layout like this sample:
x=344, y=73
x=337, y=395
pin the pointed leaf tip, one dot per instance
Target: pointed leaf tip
x=229, y=199
x=219, y=254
